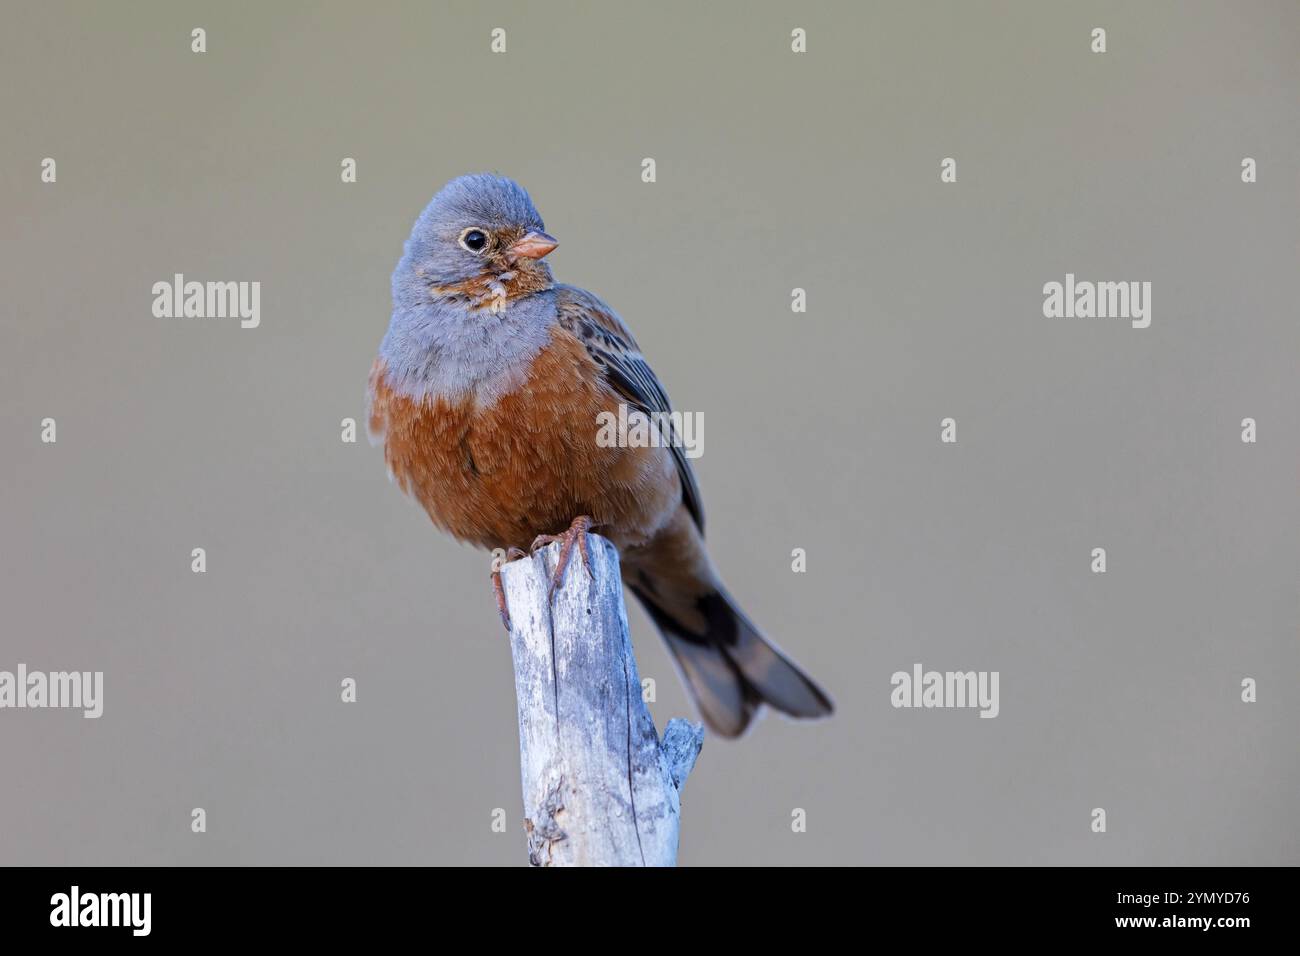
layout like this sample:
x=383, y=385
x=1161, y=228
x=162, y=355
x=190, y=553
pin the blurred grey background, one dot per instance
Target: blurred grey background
x=775, y=171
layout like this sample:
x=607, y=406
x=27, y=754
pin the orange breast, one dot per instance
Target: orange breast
x=529, y=463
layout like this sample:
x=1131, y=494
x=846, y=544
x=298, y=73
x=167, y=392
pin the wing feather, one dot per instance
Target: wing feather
x=611, y=344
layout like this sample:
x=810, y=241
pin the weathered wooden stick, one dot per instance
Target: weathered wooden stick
x=600, y=789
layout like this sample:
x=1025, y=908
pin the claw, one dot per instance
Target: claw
x=575, y=535
x=498, y=589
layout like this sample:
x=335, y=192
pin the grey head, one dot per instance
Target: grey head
x=473, y=301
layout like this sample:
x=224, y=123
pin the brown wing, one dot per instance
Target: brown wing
x=609, y=342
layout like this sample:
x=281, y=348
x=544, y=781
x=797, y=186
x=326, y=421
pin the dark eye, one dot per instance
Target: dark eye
x=475, y=240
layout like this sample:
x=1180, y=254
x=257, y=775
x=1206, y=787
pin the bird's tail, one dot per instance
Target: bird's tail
x=730, y=669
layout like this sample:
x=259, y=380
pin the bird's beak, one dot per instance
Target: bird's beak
x=535, y=245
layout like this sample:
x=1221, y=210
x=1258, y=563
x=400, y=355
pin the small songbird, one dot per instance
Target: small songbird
x=486, y=393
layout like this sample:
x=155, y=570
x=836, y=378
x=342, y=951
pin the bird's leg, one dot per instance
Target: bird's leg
x=576, y=534
x=497, y=588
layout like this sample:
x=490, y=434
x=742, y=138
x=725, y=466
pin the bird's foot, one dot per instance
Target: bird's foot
x=497, y=588
x=575, y=535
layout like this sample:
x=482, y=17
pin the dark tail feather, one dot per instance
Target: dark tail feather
x=731, y=669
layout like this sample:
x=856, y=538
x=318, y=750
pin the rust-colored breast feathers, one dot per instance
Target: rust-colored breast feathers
x=498, y=476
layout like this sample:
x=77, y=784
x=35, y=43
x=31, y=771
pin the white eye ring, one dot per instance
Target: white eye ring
x=470, y=231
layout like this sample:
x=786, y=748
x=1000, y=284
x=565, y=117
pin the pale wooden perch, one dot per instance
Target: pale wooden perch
x=600, y=789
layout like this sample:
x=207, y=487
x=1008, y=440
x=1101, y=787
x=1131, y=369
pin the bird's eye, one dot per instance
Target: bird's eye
x=475, y=240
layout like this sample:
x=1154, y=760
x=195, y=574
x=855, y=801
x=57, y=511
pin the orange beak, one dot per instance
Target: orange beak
x=535, y=245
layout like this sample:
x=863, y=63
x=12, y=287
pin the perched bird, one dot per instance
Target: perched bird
x=486, y=393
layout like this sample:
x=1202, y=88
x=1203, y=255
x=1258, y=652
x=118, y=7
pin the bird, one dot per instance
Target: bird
x=485, y=395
